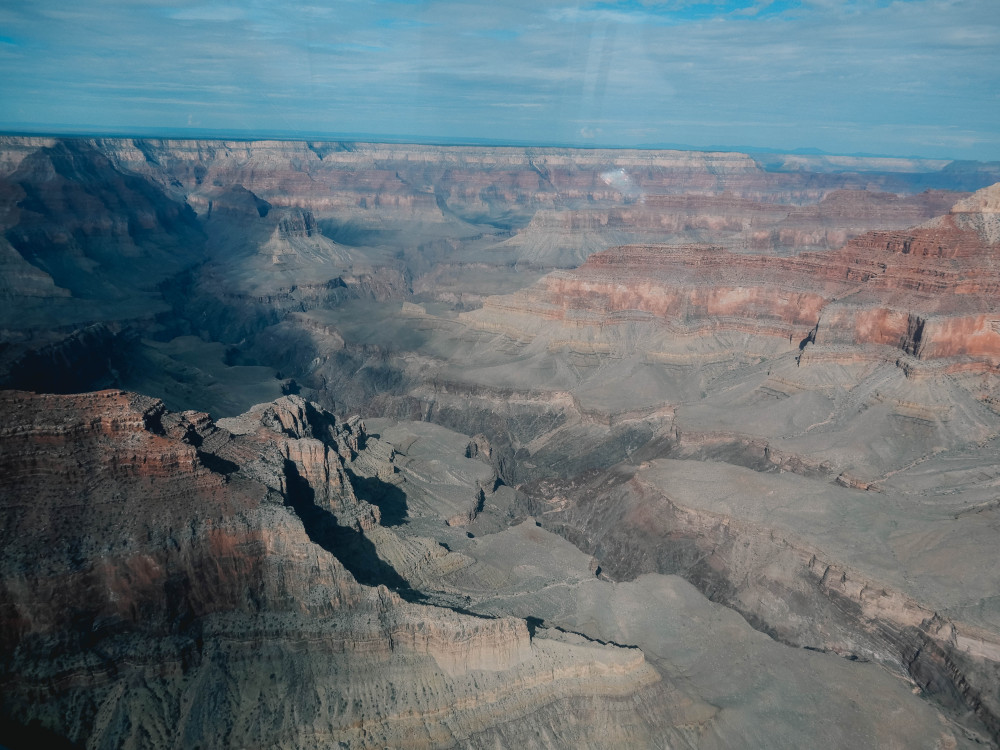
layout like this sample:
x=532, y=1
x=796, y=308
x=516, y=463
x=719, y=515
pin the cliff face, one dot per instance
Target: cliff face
x=829, y=393
x=811, y=564
x=286, y=578
x=740, y=224
x=231, y=241
x=170, y=581
x=928, y=293
x=473, y=176
x=71, y=213
x=173, y=581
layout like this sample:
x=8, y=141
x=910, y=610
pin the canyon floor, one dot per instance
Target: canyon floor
x=431, y=447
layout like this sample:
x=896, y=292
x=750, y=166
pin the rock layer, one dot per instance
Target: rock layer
x=294, y=558
x=172, y=582
x=787, y=564
x=928, y=293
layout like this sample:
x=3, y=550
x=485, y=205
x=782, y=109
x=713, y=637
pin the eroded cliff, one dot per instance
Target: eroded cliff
x=927, y=293
x=777, y=380
x=172, y=582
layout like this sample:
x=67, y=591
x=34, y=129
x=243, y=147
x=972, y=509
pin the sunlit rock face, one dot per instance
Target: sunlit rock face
x=157, y=564
x=608, y=387
x=928, y=292
x=173, y=581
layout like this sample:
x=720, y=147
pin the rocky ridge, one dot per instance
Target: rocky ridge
x=927, y=293
x=779, y=553
x=711, y=330
x=181, y=556
x=174, y=581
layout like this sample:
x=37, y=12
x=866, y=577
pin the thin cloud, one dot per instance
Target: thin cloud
x=210, y=13
x=920, y=76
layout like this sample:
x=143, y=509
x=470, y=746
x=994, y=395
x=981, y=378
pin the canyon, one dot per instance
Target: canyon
x=384, y=445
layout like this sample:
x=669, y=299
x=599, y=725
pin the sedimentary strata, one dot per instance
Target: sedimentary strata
x=174, y=582
x=927, y=292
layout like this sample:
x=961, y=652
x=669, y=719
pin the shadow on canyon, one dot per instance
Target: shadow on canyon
x=15, y=735
x=389, y=499
x=350, y=546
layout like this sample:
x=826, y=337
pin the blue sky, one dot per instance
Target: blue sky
x=897, y=77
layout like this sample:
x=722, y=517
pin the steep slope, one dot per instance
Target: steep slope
x=807, y=435
x=102, y=234
x=897, y=579
x=927, y=292
x=171, y=582
x=770, y=695
x=903, y=324
x=233, y=241
x=869, y=372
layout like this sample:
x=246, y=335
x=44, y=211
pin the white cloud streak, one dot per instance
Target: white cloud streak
x=914, y=76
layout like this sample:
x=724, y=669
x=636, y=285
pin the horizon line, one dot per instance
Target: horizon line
x=48, y=131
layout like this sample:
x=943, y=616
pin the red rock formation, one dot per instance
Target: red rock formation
x=123, y=512
x=384, y=182
x=929, y=292
x=166, y=581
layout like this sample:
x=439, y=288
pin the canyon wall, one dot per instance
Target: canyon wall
x=776, y=378
x=171, y=581
x=927, y=293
